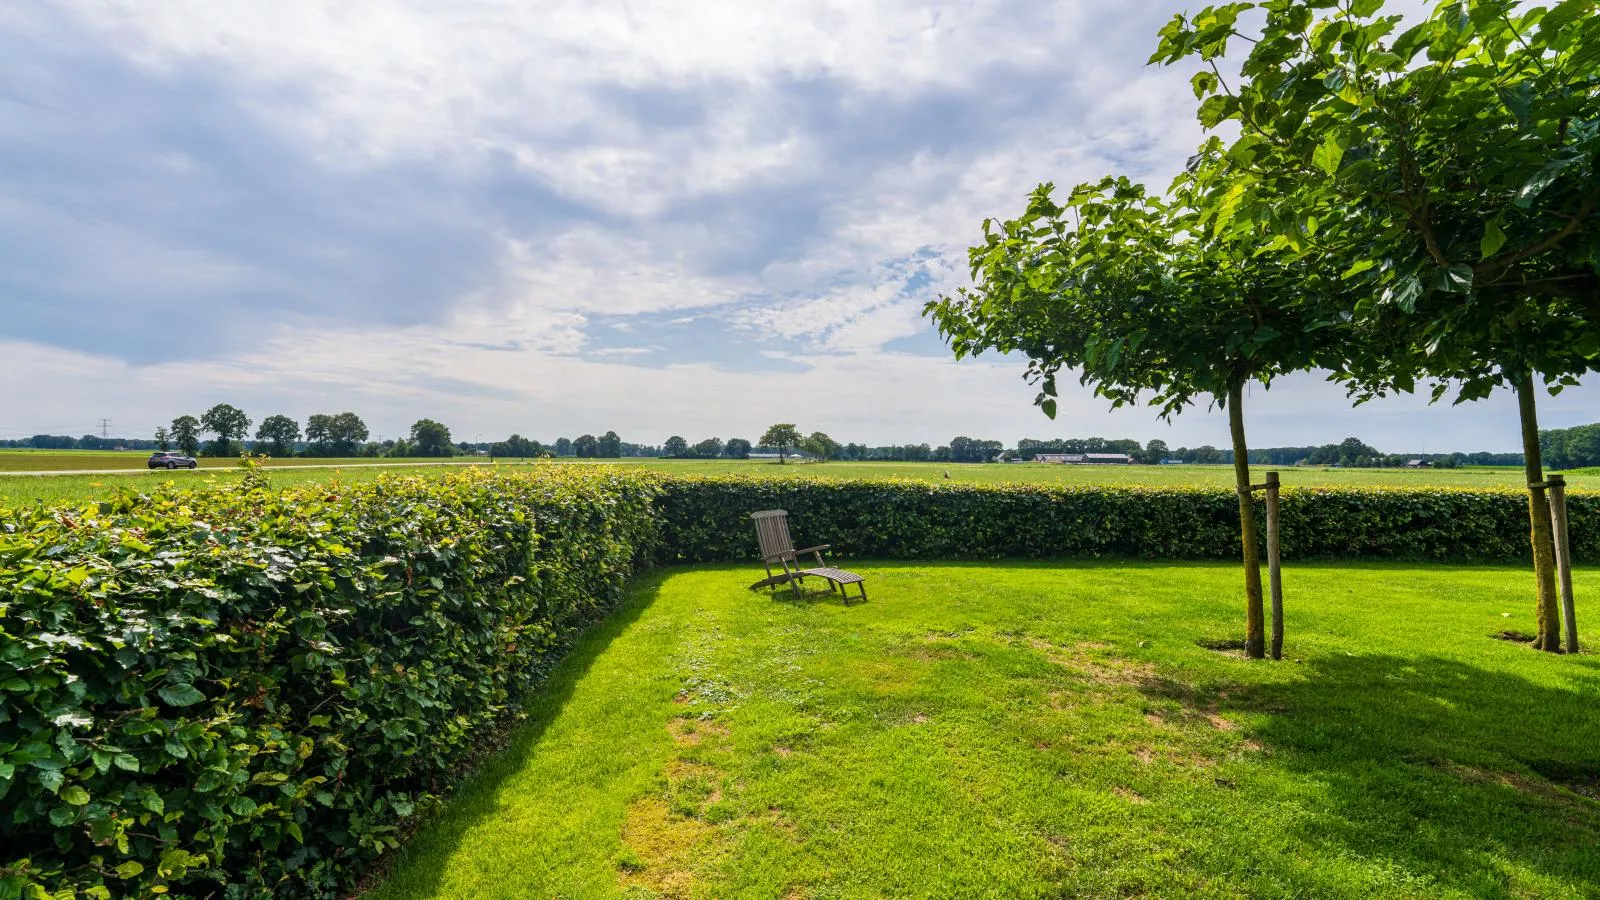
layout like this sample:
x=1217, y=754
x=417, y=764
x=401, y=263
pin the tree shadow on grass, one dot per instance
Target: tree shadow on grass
x=474, y=799
x=1437, y=766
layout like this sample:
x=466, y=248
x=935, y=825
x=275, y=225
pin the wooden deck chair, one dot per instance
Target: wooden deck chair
x=772, y=533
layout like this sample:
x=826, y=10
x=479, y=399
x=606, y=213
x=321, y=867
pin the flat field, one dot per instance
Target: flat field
x=16, y=489
x=1040, y=730
x=13, y=460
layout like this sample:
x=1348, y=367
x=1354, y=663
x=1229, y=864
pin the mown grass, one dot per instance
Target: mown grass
x=77, y=488
x=1042, y=730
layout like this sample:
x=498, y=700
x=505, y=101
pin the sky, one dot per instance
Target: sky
x=559, y=217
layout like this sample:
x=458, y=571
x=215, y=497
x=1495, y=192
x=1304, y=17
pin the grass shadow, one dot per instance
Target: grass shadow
x=1436, y=765
x=473, y=799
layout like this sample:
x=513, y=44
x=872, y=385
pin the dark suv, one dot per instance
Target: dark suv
x=161, y=459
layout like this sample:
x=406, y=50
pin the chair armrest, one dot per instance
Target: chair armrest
x=817, y=549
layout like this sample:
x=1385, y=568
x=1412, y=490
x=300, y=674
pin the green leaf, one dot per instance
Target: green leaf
x=1541, y=180
x=1360, y=265
x=74, y=795
x=1493, y=238
x=1365, y=8
x=126, y=762
x=129, y=869
x=1330, y=152
x=180, y=695
x=1204, y=83
x=1455, y=280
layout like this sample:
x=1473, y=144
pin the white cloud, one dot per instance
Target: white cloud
x=808, y=172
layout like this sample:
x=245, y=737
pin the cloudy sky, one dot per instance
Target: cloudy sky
x=556, y=217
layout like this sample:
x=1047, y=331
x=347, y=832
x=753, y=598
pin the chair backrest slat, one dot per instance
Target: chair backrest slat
x=772, y=531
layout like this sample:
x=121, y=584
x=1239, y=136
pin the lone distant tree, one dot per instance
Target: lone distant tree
x=1155, y=451
x=163, y=441
x=782, y=437
x=563, y=446
x=736, y=448
x=710, y=448
x=227, y=422
x=609, y=446
x=675, y=446
x=585, y=447
x=186, y=434
x=429, y=438
x=279, y=433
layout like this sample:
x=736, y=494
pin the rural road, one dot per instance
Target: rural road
x=215, y=469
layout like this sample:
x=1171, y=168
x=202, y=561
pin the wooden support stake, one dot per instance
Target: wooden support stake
x=1563, y=542
x=1274, y=567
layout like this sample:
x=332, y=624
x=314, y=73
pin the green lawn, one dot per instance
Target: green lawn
x=1042, y=730
x=83, y=488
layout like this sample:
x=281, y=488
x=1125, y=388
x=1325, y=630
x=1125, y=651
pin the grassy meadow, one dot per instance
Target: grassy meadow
x=1041, y=730
x=17, y=489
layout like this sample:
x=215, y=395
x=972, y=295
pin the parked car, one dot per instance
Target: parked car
x=161, y=459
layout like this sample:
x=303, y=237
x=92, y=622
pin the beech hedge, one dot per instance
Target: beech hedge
x=242, y=692
x=706, y=519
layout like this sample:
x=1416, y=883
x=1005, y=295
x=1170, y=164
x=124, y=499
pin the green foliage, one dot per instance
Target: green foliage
x=782, y=437
x=163, y=440
x=335, y=435
x=279, y=433
x=237, y=692
x=706, y=519
x=429, y=438
x=1450, y=169
x=228, y=423
x=675, y=446
x=821, y=446
x=186, y=434
x=1571, y=448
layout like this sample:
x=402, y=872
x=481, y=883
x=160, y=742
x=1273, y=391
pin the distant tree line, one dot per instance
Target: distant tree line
x=1571, y=448
x=326, y=435
x=335, y=435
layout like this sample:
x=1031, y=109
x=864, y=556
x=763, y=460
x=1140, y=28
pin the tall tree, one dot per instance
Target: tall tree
x=710, y=448
x=609, y=446
x=586, y=447
x=186, y=434
x=675, y=446
x=1158, y=300
x=279, y=433
x=1451, y=169
x=429, y=438
x=163, y=442
x=335, y=435
x=1155, y=451
x=563, y=447
x=228, y=423
x=782, y=437
x=736, y=448
x=820, y=445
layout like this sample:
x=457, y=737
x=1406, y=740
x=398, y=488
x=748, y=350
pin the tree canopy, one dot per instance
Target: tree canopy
x=279, y=433
x=1450, y=169
x=782, y=437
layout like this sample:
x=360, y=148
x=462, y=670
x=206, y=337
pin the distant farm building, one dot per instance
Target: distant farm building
x=1085, y=459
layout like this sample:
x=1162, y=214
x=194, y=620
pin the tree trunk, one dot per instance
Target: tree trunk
x=1544, y=565
x=1255, y=618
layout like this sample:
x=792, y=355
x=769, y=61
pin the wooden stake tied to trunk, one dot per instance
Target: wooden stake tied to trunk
x=1563, y=546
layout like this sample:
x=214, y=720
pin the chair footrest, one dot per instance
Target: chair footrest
x=838, y=576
